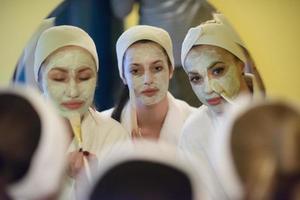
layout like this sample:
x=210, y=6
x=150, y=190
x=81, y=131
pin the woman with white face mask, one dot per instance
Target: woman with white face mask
x=214, y=62
x=146, y=64
x=66, y=65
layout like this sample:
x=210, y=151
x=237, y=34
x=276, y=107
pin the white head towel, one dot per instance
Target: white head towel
x=143, y=32
x=214, y=33
x=150, y=151
x=58, y=37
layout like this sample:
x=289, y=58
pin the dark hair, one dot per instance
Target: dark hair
x=143, y=180
x=116, y=114
x=20, y=127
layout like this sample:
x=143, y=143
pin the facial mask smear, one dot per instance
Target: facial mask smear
x=69, y=80
x=201, y=60
x=151, y=81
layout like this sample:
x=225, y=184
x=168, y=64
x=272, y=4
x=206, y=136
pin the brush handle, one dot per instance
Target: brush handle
x=226, y=98
x=87, y=169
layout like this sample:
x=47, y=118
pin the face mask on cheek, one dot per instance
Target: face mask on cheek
x=199, y=91
x=160, y=83
x=59, y=92
x=230, y=82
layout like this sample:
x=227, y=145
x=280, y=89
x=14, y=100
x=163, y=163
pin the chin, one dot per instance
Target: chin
x=217, y=109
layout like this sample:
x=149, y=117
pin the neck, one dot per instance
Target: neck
x=151, y=117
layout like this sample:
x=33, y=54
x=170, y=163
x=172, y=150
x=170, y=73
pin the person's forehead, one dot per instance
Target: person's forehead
x=204, y=49
x=149, y=52
x=141, y=46
x=69, y=50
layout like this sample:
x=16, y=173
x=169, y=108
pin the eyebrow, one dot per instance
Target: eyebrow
x=214, y=63
x=157, y=61
x=85, y=69
x=138, y=64
x=134, y=64
x=60, y=69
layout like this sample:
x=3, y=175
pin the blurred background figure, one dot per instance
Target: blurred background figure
x=32, y=146
x=256, y=152
x=24, y=69
x=96, y=18
x=145, y=171
x=176, y=17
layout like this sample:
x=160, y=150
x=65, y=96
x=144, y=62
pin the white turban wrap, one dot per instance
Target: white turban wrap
x=48, y=163
x=58, y=37
x=143, y=150
x=215, y=33
x=143, y=32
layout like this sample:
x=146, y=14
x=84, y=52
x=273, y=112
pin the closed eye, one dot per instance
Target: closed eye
x=84, y=77
x=58, y=75
x=85, y=74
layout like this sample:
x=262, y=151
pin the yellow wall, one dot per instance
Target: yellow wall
x=271, y=30
x=133, y=18
x=18, y=20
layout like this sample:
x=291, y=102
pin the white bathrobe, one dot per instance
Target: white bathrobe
x=194, y=145
x=99, y=134
x=197, y=131
x=146, y=151
x=102, y=136
x=178, y=112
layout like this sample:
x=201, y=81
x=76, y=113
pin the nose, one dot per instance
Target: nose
x=148, y=79
x=207, y=88
x=72, y=89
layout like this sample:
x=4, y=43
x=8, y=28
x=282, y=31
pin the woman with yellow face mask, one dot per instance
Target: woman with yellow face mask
x=65, y=66
x=146, y=64
x=214, y=60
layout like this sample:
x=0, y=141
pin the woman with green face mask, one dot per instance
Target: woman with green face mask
x=214, y=60
x=65, y=66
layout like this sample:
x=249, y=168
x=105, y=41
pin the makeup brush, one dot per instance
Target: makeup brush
x=134, y=125
x=75, y=121
x=218, y=89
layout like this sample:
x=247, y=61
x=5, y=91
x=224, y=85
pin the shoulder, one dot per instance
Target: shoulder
x=199, y=121
x=197, y=117
x=107, y=113
x=181, y=105
x=105, y=122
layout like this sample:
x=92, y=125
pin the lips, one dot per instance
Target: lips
x=214, y=101
x=73, y=105
x=149, y=92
